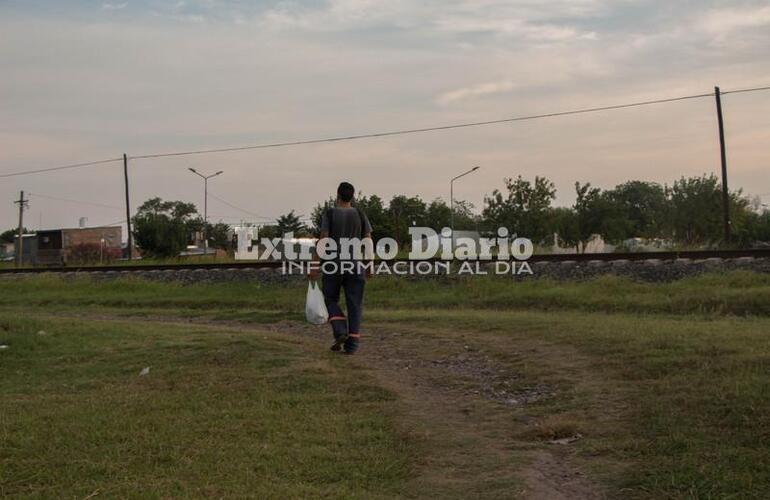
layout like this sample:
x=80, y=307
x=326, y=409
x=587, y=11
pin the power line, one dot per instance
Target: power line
x=739, y=91
x=239, y=208
x=75, y=201
x=391, y=133
x=448, y=127
x=61, y=167
x=421, y=130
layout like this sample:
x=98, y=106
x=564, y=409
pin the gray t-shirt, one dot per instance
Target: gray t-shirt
x=346, y=222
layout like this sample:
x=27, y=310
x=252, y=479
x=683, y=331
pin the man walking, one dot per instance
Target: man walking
x=344, y=221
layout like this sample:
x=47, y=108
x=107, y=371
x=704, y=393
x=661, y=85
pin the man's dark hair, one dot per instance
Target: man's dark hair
x=345, y=191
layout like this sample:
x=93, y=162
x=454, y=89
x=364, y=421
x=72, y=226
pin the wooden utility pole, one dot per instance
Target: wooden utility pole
x=128, y=207
x=723, y=151
x=20, y=246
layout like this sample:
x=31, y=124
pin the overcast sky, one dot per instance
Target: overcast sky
x=87, y=80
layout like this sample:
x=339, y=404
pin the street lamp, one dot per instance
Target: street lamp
x=205, y=206
x=452, y=202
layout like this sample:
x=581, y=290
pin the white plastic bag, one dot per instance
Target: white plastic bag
x=315, y=307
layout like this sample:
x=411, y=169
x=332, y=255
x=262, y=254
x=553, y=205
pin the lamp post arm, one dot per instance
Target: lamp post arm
x=452, y=203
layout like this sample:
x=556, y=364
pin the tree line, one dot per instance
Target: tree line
x=685, y=214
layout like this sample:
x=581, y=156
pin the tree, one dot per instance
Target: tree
x=597, y=213
x=745, y=224
x=176, y=209
x=163, y=228
x=564, y=222
x=696, y=211
x=318, y=212
x=219, y=235
x=438, y=215
x=9, y=236
x=375, y=211
x=588, y=214
x=645, y=206
x=290, y=223
x=757, y=228
x=404, y=212
x=524, y=208
x=270, y=231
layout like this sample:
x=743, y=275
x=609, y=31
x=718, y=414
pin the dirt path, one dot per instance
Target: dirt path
x=480, y=426
x=470, y=412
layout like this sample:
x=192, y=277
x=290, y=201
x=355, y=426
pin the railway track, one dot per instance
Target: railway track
x=694, y=255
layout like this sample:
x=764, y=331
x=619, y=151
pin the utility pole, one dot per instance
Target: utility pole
x=205, y=206
x=128, y=207
x=723, y=152
x=20, y=246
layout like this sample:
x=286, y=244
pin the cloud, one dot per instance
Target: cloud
x=474, y=91
x=512, y=27
x=724, y=21
x=259, y=72
x=523, y=19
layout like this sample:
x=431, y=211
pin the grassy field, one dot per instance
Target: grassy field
x=737, y=293
x=660, y=391
x=220, y=413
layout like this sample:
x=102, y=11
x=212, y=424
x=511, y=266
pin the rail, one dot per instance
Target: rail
x=587, y=257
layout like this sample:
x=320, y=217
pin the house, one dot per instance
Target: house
x=56, y=246
x=7, y=251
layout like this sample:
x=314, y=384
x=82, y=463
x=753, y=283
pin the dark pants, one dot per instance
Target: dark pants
x=353, y=284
